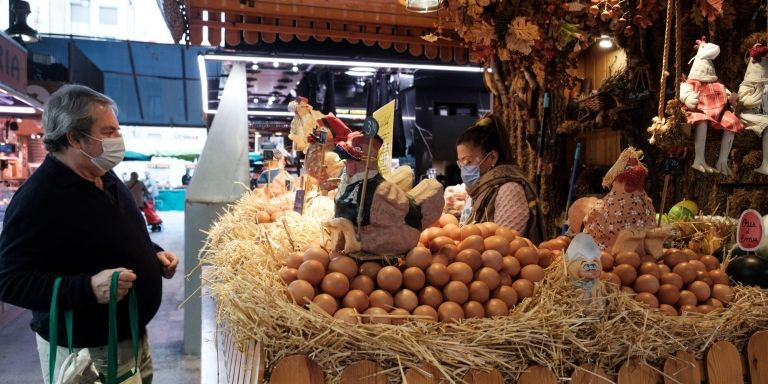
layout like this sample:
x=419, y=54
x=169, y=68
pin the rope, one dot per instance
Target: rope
x=678, y=48
x=665, y=61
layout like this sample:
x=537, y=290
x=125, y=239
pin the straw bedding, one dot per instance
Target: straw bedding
x=554, y=328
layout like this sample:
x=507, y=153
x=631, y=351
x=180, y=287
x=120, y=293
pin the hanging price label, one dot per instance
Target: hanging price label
x=750, y=231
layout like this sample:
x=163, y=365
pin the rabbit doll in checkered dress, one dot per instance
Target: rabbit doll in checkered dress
x=707, y=103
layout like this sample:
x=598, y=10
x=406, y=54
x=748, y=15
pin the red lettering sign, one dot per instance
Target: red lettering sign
x=750, y=230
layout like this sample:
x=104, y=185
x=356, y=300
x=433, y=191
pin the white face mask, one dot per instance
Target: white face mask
x=113, y=151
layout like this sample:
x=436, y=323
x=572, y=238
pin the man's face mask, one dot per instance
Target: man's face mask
x=113, y=151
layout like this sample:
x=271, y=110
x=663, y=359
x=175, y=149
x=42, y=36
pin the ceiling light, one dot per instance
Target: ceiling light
x=20, y=30
x=275, y=64
x=21, y=110
x=422, y=6
x=605, y=42
x=255, y=67
x=293, y=93
x=295, y=68
x=359, y=74
x=278, y=133
x=271, y=99
x=363, y=69
x=343, y=63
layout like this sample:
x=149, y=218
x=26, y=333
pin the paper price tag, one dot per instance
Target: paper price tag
x=750, y=230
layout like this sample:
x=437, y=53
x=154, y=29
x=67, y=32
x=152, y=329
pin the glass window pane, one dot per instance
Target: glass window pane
x=108, y=15
x=79, y=13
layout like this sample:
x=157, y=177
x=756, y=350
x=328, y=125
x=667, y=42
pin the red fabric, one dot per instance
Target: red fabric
x=712, y=107
x=149, y=211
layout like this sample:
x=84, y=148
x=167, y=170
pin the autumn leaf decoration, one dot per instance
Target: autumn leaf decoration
x=522, y=35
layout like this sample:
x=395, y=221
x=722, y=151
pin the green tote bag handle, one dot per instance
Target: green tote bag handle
x=53, y=329
x=133, y=314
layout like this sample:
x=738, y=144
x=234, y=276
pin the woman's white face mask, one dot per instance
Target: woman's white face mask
x=113, y=151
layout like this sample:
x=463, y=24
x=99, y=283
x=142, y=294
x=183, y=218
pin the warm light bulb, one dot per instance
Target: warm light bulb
x=605, y=42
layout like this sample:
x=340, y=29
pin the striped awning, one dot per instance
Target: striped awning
x=385, y=23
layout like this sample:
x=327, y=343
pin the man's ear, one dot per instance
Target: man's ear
x=71, y=139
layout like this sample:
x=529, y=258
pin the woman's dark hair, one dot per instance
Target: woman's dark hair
x=489, y=134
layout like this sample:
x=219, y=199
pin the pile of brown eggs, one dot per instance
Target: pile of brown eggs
x=479, y=270
x=680, y=281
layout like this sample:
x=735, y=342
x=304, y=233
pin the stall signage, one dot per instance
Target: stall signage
x=385, y=116
x=750, y=230
x=13, y=63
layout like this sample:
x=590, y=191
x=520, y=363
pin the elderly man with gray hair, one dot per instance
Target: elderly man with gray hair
x=74, y=219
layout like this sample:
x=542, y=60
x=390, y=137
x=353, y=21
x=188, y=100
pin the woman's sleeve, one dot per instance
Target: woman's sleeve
x=511, y=207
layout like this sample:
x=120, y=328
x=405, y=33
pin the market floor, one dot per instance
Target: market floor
x=18, y=355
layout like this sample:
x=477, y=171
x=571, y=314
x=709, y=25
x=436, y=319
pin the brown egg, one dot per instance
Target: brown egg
x=710, y=262
x=506, y=294
x=471, y=257
x=719, y=276
x=506, y=233
x=314, y=252
x=647, y=258
x=294, y=260
x=492, y=258
x=456, y=291
x=450, y=251
x=628, y=257
x=646, y=283
x=689, y=309
x=327, y=303
x=426, y=313
x=546, y=257
x=495, y=308
x=469, y=230
x=372, y=317
x=628, y=290
x=460, y=271
x=473, y=310
x=402, y=316
x=371, y=269
x=717, y=304
x=697, y=266
x=356, y=299
x=381, y=299
x=516, y=244
x=301, y=291
x=438, y=275
x=650, y=268
x=430, y=296
x=344, y=265
x=626, y=273
x=475, y=242
x=686, y=298
x=663, y=268
x=648, y=299
x=701, y=290
x=479, y=291
x=499, y=244
x=523, y=287
x=489, y=276
x=453, y=231
x=488, y=228
x=447, y=219
x=527, y=255
x=419, y=257
x=606, y=259
x=723, y=293
x=430, y=233
x=414, y=278
x=335, y=284
x=610, y=277
x=389, y=278
x=347, y=315
x=362, y=283
x=511, y=265
x=668, y=294
x=311, y=271
x=439, y=242
x=289, y=274
x=263, y=217
x=690, y=254
x=450, y=312
x=532, y=272
x=668, y=309
x=672, y=278
x=440, y=258
x=406, y=299
x=704, y=309
x=686, y=272
x=674, y=257
x=704, y=276
x=505, y=278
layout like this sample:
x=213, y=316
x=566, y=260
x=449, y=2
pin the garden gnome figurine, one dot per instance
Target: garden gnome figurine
x=754, y=100
x=303, y=123
x=583, y=265
x=706, y=100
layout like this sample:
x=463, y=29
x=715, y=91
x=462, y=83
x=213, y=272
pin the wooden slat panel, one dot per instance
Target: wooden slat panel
x=416, y=49
x=383, y=31
x=195, y=31
x=724, y=364
x=231, y=35
x=475, y=376
x=446, y=54
x=251, y=37
x=258, y=364
x=268, y=37
x=460, y=55
x=296, y=369
x=431, y=376
x=757, y=357
x=340, y=34
x=303, y=24
x=214, y=32
x=401, y=47
x=319, y=30
x=356, y=30
x=682, y=369
x=364, y=372
x=431, y=51
x=589, y=374
x=635, y=372
x=286, y=23
x=537, y=374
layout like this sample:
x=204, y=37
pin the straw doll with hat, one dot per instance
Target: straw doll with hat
x=753, y=99
x=707, y=103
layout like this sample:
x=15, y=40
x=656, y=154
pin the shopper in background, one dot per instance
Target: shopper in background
x=185, y=178
x=151, y=185
x=499, y=191
x=75, y=219
x=138, y=189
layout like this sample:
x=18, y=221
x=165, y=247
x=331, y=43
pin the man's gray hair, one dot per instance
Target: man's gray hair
x=69, y=109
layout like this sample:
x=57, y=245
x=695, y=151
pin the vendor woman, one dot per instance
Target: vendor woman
x=499, y=191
